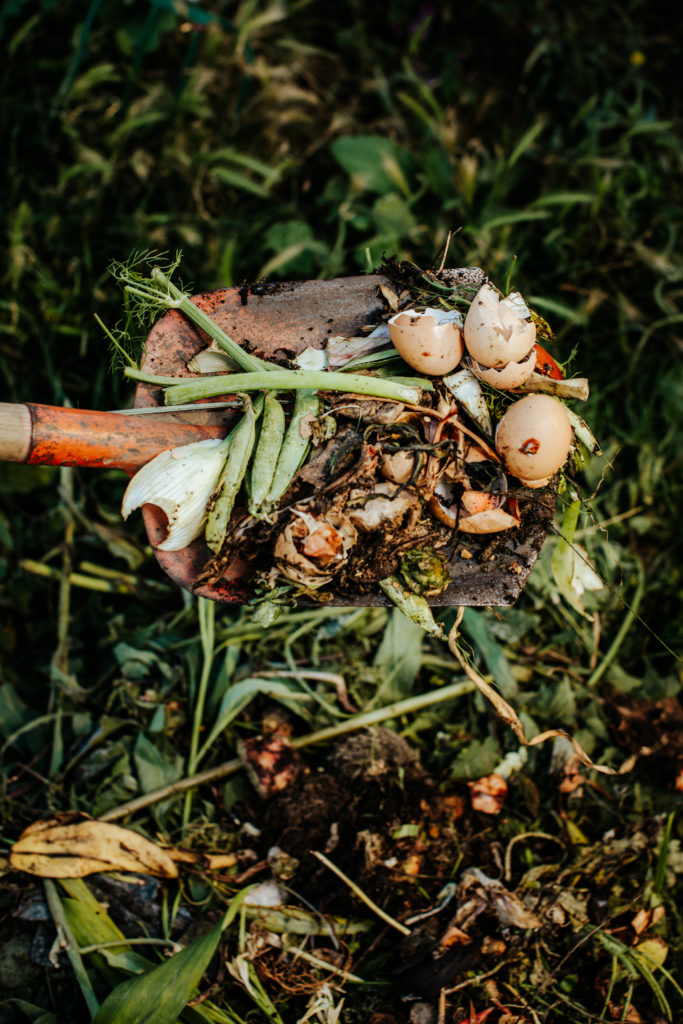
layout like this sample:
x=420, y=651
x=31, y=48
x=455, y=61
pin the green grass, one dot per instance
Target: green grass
x=273, y=139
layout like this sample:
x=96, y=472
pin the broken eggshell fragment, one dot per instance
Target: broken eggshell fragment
x=533, y=439
x=473, y=511
x=430, y=341
x=497, y=330
x=511, y=375
x=311, y=549
x=384, y=508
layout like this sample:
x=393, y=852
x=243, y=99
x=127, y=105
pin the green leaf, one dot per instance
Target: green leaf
x=399, y=656
x=564, y=199
x=558, y=308
x=235, y=179
x=525, y=142
x=474, y=624
x=159, y=996
x=508, y=218
x=571, y=570
x=240, y=694
x=374, y=164
x=155, y=770
x=37, y=1014
x=92, y=926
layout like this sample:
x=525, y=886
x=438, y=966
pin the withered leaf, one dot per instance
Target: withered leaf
x=52, y=849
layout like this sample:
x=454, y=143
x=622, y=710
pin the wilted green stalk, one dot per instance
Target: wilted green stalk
x=206, y=613
x=187, y=389
x=267, y=452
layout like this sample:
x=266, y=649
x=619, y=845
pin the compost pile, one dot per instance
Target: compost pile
x=386, y=461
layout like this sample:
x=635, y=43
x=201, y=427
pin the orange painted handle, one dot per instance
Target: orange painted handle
x=50, y=435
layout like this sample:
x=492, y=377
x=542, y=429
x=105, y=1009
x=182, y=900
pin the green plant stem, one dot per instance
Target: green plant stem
x=363, y=897
x=206, y=611
x=221, y=771
x=59, y=667
x=70, y=946
x=184, y=389
x=631, y=614
x=162, y=291
x=79, y=579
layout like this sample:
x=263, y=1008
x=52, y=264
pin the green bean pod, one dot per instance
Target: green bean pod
x=267, y=452
x=231, y=479
x=295, y=446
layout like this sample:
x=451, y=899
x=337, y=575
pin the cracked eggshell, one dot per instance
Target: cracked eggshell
x=385, y=508
x=398, y=466
x=533, y=439
x=512, y=375
x=496, y=329
x=429, y=341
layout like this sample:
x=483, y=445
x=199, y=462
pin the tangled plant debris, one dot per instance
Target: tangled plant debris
x=332, y=477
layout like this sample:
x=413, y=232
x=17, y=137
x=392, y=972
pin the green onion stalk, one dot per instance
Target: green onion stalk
x=158, y=292
x=188, y=389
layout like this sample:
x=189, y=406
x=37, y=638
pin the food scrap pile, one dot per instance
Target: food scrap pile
x=378, y=458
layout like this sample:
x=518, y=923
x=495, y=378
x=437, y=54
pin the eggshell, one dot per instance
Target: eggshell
x=495, y=333
x=512, y=375
x=428, y=346
x=398, y=466
x=533, y=438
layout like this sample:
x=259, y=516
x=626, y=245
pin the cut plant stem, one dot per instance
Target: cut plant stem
x=294, y=446
x=69, y=944
x=356, y=889
x=239, y=453
x=158, y=290
x=574, y=387
x=183, y=389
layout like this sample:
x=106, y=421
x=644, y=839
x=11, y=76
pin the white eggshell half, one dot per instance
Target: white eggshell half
x=512, y=375
x=533, y=438
x=428, y=346
x=495, y=333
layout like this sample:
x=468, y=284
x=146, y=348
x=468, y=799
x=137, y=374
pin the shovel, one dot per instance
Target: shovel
x=271, y=320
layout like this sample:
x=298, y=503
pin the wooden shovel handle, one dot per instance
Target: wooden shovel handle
x=53, y=436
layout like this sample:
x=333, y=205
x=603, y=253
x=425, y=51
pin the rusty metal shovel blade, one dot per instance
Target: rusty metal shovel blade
x=282, y=320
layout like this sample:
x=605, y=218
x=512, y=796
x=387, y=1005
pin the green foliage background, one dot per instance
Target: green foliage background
x=300, y=139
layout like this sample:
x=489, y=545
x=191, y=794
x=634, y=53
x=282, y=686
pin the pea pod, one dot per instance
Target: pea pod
x=231, y=479
x=267, y=452
x=295, y=446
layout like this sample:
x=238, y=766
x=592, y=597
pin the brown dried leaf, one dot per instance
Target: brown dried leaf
x=507, y=907
x=52, y=849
